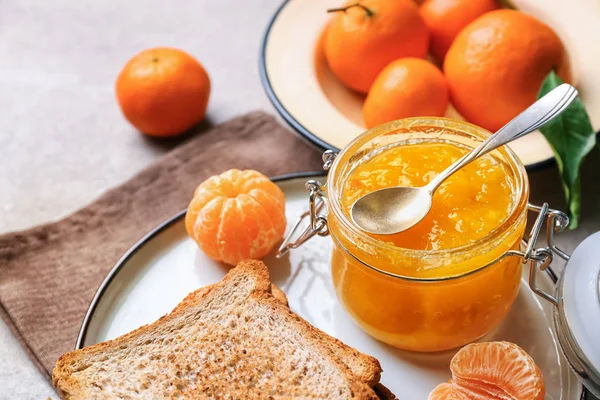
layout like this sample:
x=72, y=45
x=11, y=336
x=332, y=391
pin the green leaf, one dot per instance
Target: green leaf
x=571, y=137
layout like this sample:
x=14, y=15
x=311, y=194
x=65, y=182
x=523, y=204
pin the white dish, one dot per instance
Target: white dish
x=308, y=96
x=159, y=271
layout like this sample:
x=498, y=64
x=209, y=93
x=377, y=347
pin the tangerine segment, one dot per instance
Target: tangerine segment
x=496, y=370
x=236, y=215
x=444, y=391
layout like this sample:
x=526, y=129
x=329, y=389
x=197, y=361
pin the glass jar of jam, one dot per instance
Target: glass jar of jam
x=442, y=283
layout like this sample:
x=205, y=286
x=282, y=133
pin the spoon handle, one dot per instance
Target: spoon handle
x=535, y=116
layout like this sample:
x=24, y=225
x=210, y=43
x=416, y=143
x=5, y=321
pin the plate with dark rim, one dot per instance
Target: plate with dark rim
x=305, y=93
x=165, y=265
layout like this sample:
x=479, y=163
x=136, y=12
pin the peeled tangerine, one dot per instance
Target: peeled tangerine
x=236, y=215
x=492, y=371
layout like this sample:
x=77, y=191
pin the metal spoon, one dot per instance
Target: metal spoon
x=395, y=209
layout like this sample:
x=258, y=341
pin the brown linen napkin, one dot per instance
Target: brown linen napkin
x=49, y=274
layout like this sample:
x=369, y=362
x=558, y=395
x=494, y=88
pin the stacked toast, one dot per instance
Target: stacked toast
x=236, y=339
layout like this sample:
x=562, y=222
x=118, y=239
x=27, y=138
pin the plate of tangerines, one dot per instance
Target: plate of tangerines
x=243, y=214
x=333, y=70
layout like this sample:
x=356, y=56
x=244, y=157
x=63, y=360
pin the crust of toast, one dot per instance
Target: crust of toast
x=197, y=295
x=69, y=387
x=384, y=393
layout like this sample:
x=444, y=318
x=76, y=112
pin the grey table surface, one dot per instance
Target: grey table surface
x=63, y=140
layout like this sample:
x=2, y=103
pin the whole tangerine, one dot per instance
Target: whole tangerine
x=363, y=37
x=496, y=66
x=236, y=215
x=446, y=18
x=163, y=91
x=409, y=87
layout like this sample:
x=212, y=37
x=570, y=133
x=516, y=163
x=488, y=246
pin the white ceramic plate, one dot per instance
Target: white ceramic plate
x=307, y=95
x=159, y=271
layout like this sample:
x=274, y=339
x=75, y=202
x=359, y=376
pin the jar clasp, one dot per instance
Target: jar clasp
x=542, y=257
x=318, y=220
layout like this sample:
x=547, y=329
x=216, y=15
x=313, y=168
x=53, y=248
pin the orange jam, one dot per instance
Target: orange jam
x=444, y=282
x=466, y=207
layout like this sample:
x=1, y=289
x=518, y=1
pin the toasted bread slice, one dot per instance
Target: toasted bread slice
x=365, y=367
x=237, y=341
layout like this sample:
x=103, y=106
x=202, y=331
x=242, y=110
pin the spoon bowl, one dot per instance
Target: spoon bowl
x=403, y=207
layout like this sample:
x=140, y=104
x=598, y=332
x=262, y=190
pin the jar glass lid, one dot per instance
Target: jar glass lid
x=580, y=302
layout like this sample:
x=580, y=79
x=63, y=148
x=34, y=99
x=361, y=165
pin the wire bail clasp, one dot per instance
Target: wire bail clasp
x=317, y=221
x=317, y=224
x=541, y=258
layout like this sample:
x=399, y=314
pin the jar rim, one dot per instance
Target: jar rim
x=520, y=180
